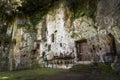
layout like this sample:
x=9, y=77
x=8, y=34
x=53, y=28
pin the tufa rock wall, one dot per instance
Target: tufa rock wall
x=60, y=35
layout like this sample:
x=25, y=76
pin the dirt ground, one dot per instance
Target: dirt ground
x=77, y=76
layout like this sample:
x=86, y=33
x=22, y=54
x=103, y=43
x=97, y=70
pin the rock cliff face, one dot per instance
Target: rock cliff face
x=21, y=51
x=108, y=18
x=81, y=39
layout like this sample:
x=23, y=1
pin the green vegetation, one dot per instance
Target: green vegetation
x=105, y=68
x=97, y=72
x=82, y=67
x=38, y=8
x=77, y=8
x=4, y=59
x=27, y=27
x=73, y=35
x=82, y=8
x=28, y=74
x=91, y=71
x=36, y=12
x=101, y=67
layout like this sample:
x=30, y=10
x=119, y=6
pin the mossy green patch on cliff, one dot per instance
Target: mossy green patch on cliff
x=39, y=14
x=74, y=35
x=80, y=8
x=27, y=27
x=77, y=9
x=37, y=17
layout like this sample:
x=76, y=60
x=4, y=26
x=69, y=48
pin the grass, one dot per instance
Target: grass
x=99, y=72
x=81, y=68
x=103, y=68
x=28, y=74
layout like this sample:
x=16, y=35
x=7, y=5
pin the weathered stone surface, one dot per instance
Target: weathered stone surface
x=61, y=36
x=62, y=41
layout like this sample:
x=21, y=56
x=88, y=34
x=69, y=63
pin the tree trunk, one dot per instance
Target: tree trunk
x=14, y=26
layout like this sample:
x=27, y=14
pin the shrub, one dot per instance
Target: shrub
x=82, y=67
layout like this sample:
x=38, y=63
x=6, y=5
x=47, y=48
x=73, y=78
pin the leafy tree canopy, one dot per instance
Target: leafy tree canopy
x=9, y=9
x=38, y=8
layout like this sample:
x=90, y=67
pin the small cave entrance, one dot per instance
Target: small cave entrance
x=112, y=46
x=109, y=49
x=83, y=51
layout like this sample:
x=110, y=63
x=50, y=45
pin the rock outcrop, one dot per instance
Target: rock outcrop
x=83, y=37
